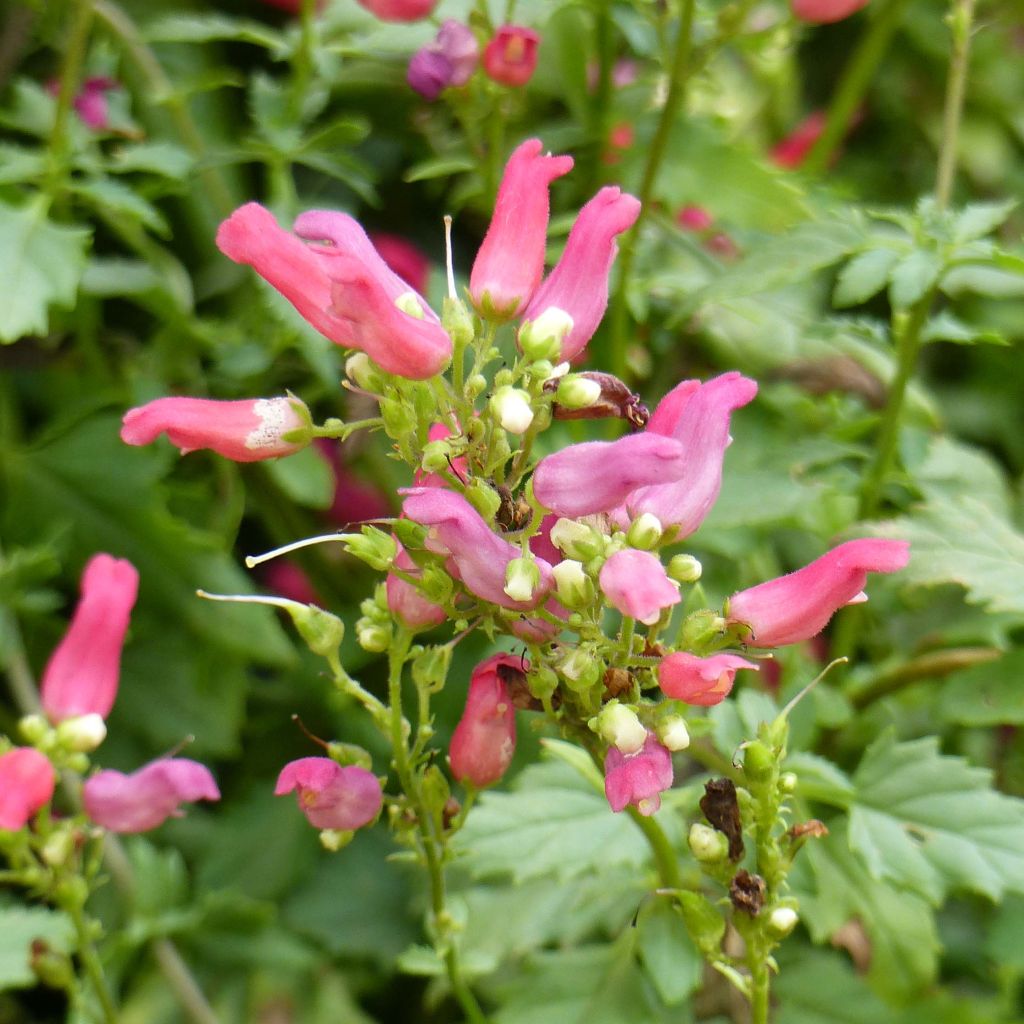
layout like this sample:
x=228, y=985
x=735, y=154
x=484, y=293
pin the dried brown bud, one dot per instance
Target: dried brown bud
x=721, y=807
x=747, y=892
x=616, y=400
x=812, y=829
x=616, y=682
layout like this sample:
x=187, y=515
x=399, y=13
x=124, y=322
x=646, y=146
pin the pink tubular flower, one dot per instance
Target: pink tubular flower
x=700, y=681
x=597, y=476
x=638, y=779
x=798, y=606
x=146, y=798
x=823, y=12
x=249, y=430
x=287, y=579
x=579, y=283
x=399, y=10
x=406, y=603
x=636, y=584
x=479, y=554
x=510, y=262
x=702, y=427
x=511, y=56
x=332, y=796
x=82, y=674
x=27, y=780
x=791, y=151
x=485, y=738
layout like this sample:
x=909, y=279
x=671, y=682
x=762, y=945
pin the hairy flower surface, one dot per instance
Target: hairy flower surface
x=82, y=675
x=27, y=780
x=485, y=738
x=638, y=779
x=331, y=795
x=636, y=584
x=701, y=681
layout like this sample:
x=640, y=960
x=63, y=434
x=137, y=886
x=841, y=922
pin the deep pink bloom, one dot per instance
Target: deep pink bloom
x=638, y=779
x=406, y=602
x=82, y=674
x=511, y=56
x=597, y=476
x=702, y=428
x=330, y=795
x=146, y=798
x=355, y=500
x=449, y=60
x=541, y=544
x=404, y=259
x=700, y=681
x=636, y=584
x=287, y=579
x=665, y=417
x=27, y=780
x=510, y=262
x=791, y=151
x=579, y=283
x=478, y=553
x=249, y=430
x=694, y=218
x=822, y=12
x=400, y=10
x=429, y=73
x=485, y=738
x=798, y=606
x=91, y=103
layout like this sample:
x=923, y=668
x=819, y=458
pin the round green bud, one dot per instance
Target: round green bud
x=684, y=569
x=707, y=844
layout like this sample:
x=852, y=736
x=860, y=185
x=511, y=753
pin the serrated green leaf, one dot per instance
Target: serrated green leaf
x=667, y=952
x=979, y=219
x=911, y=278
x=864, y=276
x=163, y=158
x=820, y=779
x=944, y=326
x=19, y=928
x=200, y=28
x=439, y=167
x=118, y=200
x=20, y=164
x=952, y=467
x=986, y=695
x=41, y=267
x=932, y=823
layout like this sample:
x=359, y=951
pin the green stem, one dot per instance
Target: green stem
x=933, y=665
x=854, y=84
x=604, y=44
x=302, y=63
x=664, y=854
x=760, y=987
x=91, y=962
x=678, y=75
x=961, y=17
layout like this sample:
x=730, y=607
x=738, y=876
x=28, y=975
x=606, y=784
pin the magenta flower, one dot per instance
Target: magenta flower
x=579, y=283
x=82, y=674
x=791, y=151
x=27, y=780
x=288, y=579
x=405, y=601
x=700, y=681
x=636, y=584
x=479, y=555
x=798, y=606
x=399, y=10
x=429, y=72
x=510, y=261
x=702, y=428
x=485, y=738
x=332, y=796
x=638, y=779
x=449, y=60
x=823, y=12
x=694, y=218
x=146, y=798
x=511, y=56
x=249, y=430
x=91, y=102
x=597, y=476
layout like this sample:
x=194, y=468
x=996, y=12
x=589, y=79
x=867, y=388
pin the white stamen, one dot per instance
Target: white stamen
x=251, y=561
x=449, y=264
x=277, y=602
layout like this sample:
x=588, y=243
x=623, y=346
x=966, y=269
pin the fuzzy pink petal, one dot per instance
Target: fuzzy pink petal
x=511, y=56
x=27, y=780
x=700, y=681
x=485, y=738
x=332, y=796
x=639, y=778
x=635, y=582
x=399, y=10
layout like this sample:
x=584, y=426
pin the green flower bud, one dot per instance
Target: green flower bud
x=684, y=569
x=576, y=540
x=83, y=734
x=580, y=669
x=435, y=456
x=484, y=498
x=781, y=921
x=788, y=782
x=399, y=419
x=364, y=373
x=704, y=923
x=708, y=845
x=575, y=392
x=58, y=847
x=476, y=385
x=372, y=546
x=436, y=585
x=457, y=320
x=511, y=408
x=644, y=532
x=575, y=589
x=412, y=535
x=408, y=302
x=619, y=726
x=349, y=753
x=759, y=763
x=542, y=338
x=673, y=733
x=33, y=728
x=335, y=839
x=321, y=631
x=522, y=577
x=542, y=681
x=373, y=637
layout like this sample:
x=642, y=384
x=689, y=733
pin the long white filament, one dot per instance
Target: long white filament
x=251, y=561
x=449, y=263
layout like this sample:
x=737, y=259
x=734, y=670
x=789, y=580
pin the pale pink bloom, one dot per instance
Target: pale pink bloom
x=485, y=738
x=27, y=780
x=597, y=476
x=478, y=554
x=406, y=602
x=510, y=262
x=635, y=583
x=146, y=798
x=400, y=10
x=404, y=259
x=791, y=151
x=330, y=795
x=798, y=606
x=248, y=430
x=511, y=56
x=702, y=428
x=579, y=283
x=82, y=674
x=638, y=779
x=700, y=681
x=665, y=417
x=822, y=12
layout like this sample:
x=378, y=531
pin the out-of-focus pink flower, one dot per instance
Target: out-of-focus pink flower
x=510, y=262
x=700, y=222
x=791, y=151
x=638, y=779
x=82, y=674
x=702, y=428
x=27, y=780
x=146, y=798
x=330, y=795
x=511, y=56
x=91, y=102
x=822, y=12
x=399, y=10
x=429, y=73
x=449, y=60
x=404, y=258
x=355, y=500
x=579, y=283
x=596, y=476
x=624, y=73
x=700, y=681
x=244, y=431
x=620, y=138
x=694, y=218
x=636, y=584
x=287, y=579
x=798, y=606
x=485, y=738
x=478, y=553
x=405, y=601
